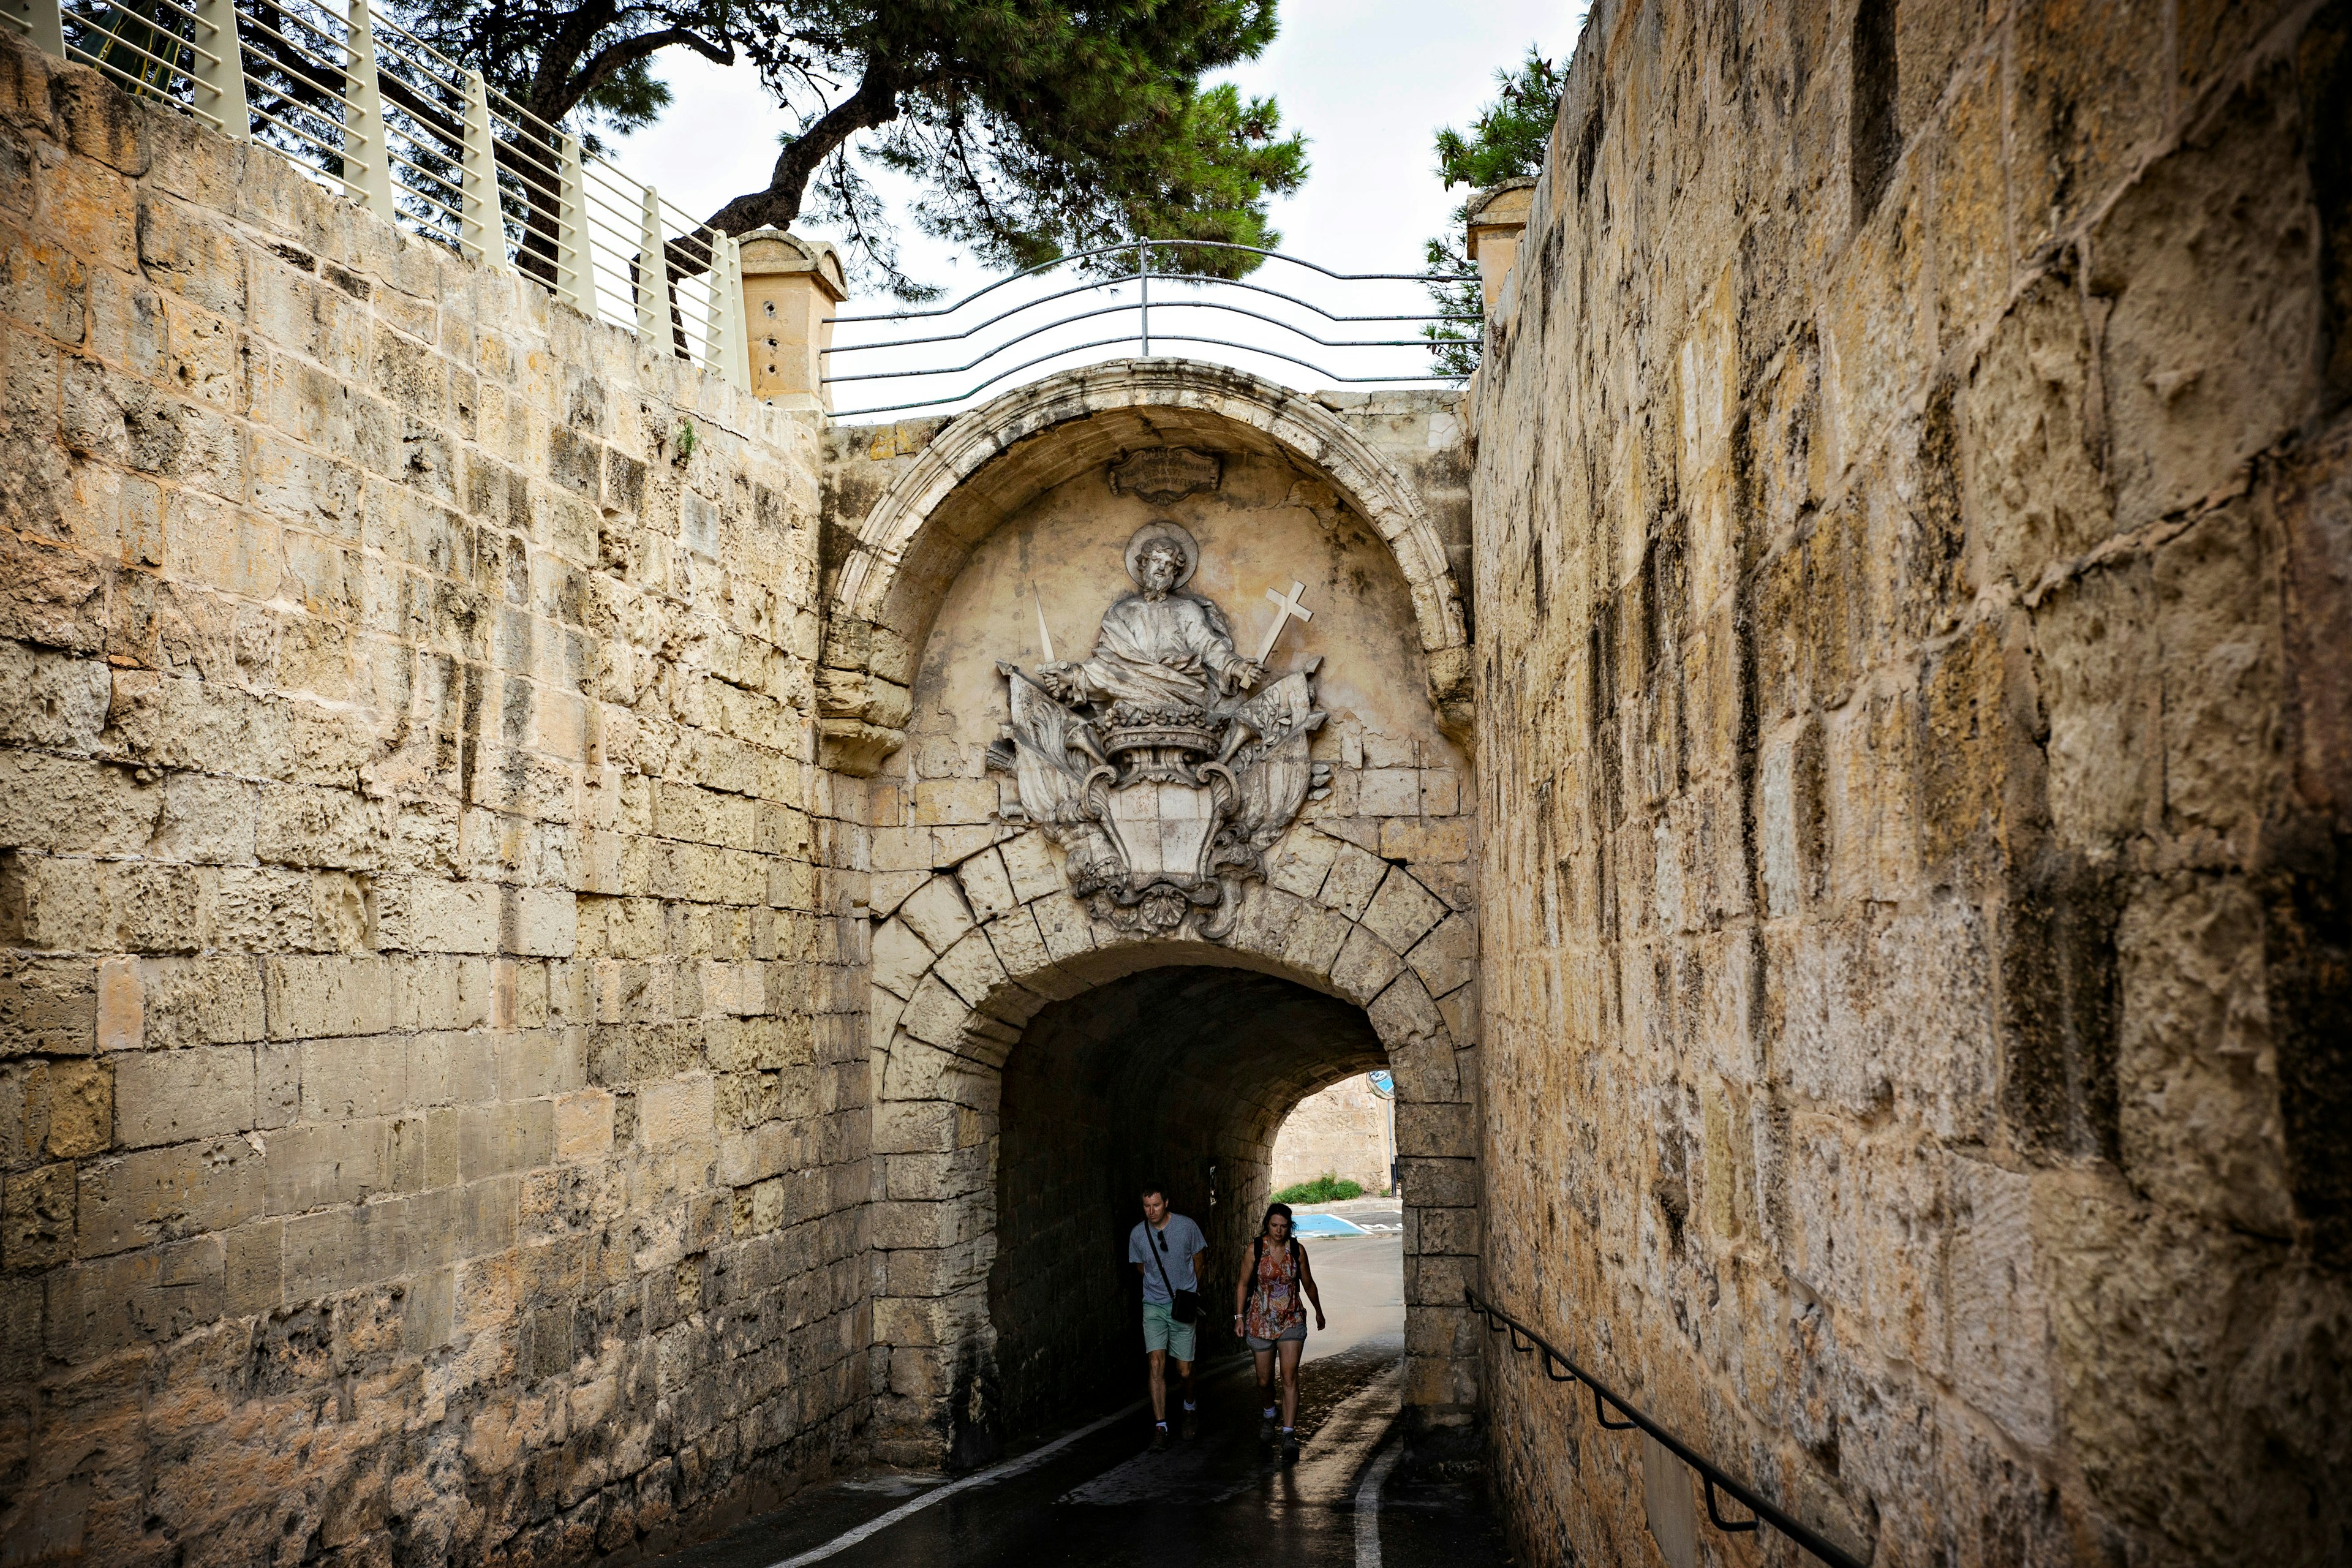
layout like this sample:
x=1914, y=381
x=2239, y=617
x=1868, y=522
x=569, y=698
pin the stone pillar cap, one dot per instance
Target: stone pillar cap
x=1499, y=209
x=1492, y=193
x=772, y=252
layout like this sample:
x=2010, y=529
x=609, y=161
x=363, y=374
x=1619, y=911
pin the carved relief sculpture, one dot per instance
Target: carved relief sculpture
x=1164, y=763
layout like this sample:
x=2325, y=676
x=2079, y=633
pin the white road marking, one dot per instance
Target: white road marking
x=1367, y=1506
x=1028, y=1461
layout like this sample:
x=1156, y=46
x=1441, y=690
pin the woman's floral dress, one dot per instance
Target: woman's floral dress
x=1274, y=1299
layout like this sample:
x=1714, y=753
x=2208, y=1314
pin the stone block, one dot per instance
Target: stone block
x=51, y=700
x=2215, y=589
x=330, y=1163
x=1021, y=949
x=1447, y=958
x=948, y=803
x=48, y=1006
x=1031, y=865
x=1403, y=1012
x=1062, y=921
x=520, y=1135
x=972, y=969
x=1301, y=861
x=1389, y=792
x=1355, y=876
x=1425, y=840
x=1364, y=967
x=317, y=997
x=37, y=1217
x=987, y=886
x=152, y=1195
x=1402, y=912
x=583, y=1125
x=151, y=1297
x=936, y=913
x=1999, y=1313
x=538, y=922
x=1444, y=1131
x=419, y=915
x=1315, y=939
x=170, y=1097
x=122, y=1006
x=73, y=807
x=900, y=958
x=680, y=1113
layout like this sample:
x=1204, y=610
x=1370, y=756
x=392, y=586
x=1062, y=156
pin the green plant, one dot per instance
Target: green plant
x=1327, y=1188
x=1506, y=140
x=685, y=439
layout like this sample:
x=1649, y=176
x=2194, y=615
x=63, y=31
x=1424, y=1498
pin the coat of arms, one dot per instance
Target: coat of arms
x=1165, y=763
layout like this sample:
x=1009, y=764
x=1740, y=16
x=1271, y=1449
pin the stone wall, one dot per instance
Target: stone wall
x=433, y=1098
x=1913, y=550
x=1342, y=1131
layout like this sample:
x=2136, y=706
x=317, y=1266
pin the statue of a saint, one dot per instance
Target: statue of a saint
x=1175, y=765
x=1160, y=647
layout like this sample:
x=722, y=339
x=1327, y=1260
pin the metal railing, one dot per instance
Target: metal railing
x=367, y=108
x=1562, y=1368
x=1191, y=292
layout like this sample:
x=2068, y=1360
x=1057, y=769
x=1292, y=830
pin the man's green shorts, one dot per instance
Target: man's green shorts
x=1162, y=1333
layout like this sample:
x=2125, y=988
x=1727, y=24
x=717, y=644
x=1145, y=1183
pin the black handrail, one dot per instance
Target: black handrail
x=1603, y=1396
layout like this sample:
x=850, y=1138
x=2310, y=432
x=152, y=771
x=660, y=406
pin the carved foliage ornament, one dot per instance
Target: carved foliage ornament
x=1165, y=763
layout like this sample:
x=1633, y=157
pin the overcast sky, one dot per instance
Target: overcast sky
x=1368, y=81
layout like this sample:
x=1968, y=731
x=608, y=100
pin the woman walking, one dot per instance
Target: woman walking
x=1269, y=1312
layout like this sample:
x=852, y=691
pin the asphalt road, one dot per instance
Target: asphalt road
x=1094, y=1494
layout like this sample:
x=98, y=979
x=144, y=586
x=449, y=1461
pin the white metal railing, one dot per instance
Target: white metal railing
x=956, y=352
x=369, y=110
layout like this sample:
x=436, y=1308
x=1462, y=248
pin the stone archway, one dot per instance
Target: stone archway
x=974, y=955
x=891, y=576
x=969, y=538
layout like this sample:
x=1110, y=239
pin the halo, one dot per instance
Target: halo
x=1175, y=534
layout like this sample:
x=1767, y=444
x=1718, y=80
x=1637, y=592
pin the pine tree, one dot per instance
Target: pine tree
x=1033, y=128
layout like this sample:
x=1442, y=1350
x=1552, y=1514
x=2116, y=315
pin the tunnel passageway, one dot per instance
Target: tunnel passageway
x=1180, y=1076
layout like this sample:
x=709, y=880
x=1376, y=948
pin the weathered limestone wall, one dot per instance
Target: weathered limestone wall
x=1913, y=550
x=1342, y=1131
x=433, y=1101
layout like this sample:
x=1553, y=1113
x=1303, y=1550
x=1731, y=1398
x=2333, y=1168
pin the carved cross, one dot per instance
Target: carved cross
x=1284, y=607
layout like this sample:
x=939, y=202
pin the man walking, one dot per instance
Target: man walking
x=1166, y=1249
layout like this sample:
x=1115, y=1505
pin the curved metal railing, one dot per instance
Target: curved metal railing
x=1562, y=1368
x=986, y=354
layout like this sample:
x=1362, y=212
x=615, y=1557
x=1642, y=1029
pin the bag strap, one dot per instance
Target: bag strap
x=1155, y=1243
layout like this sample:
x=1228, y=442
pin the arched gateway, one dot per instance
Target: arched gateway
x=1133, y=896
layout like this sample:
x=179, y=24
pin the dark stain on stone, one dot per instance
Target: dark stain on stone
x=2324, y=75
x=2060, y=1003
x=2307, y=941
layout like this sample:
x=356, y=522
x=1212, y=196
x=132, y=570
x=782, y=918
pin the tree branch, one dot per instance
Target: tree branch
x=612, y=57
x=876, y=102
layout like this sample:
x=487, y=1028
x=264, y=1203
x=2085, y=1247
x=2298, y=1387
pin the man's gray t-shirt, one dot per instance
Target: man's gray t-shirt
x=1184, y=1238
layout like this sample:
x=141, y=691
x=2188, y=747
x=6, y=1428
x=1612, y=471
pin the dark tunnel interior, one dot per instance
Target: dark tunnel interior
x=1180, y=1076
